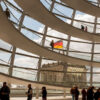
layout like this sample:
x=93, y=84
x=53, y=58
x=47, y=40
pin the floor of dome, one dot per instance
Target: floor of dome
x=49, y=98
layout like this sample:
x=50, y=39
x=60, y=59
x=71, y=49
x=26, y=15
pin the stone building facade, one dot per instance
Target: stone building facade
x=62, y=73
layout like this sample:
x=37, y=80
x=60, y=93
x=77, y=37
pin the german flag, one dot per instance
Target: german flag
x=58, y=44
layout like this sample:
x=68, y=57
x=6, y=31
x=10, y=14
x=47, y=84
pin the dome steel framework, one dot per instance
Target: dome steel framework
x=28, y=65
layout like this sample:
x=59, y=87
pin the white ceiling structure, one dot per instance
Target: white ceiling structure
x=47, y=18
x=84, y=6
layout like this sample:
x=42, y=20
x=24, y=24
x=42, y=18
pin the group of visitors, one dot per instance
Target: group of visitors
x=86, y=95
x=5, y=92
x=29, y=93
x=84, y=28
x=75, y=93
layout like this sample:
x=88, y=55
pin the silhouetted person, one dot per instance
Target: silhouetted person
x=82, y=27
x=44, y=93
x=5, y=91
x=76, y=93
x=52, y=44
x=29, y=92
x=97, y=94
x=72, y=91
x=7, y=13
x=84, y=94
x=90, y=93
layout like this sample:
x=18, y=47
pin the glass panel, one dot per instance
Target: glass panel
x=97, y=48
x=4, y=69
x=96, y=69
x=89, y=27
x=33, y=24
x=5, y=57
x=64, y=19
x=25, y=52
x=84, y=17
x=32, y=35
x=80, y=46
x=55, y=33
x=23, y=61
x=14, y=3
x=98, y=29
x=80, y=55
x=98, y=20
x=15, y=14
x=62, y=10
x=5, y=45
x=25, y=74
x=96, y=77
x=94, y=2
x=78, y=39
x=46, y=3
x=49, y=39
x=96, y=57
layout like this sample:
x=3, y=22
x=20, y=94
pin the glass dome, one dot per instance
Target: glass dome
x=27, y=65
